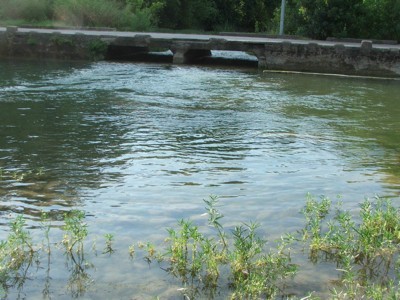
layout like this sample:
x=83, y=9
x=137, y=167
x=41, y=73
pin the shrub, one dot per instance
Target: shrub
x=30, y=10
x=88, y=12
x=133, y=14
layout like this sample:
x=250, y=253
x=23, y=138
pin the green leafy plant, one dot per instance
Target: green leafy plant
x=97, y=49
x=32, y=41
x=255, y=272
x=16, y=255
x=364, y=251
x=59, y=40
x=198, y=259
x=46, y=226
x=75, y=232
x=109, y=243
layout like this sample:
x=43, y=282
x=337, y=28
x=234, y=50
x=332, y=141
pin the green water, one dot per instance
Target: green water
x=138, y=146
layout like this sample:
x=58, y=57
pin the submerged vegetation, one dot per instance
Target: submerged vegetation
x=363, y=250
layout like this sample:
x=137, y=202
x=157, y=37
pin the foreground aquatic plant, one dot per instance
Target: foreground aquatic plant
x=365, y=249
x=109, y=243
x=75, y=231
x=17, y=254
x=256, y=272
x=197, y=259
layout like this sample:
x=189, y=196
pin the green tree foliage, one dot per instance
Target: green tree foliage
x=255, y=15
x=382, y=19
x=33, y=10
x=219, y=15
x=325, y=18
x=188, y=14
x=378, y=19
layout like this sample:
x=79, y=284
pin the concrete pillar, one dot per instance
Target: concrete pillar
x=179, y=56
x=259, y=52
x=187, y=55
x=262, y=62
x=366, y=47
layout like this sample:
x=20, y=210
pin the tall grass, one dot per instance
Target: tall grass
x=30, y=10
x=127, y=15
x=90, y=13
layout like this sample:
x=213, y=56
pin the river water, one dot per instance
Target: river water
x=139, y=146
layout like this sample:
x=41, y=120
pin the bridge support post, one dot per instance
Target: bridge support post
x=261, y=57
x=184, y=55
x=262, y=62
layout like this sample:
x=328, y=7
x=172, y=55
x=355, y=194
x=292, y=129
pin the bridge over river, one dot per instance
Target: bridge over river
x=362, y=57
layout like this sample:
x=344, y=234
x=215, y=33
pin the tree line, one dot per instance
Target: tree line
x=377, y=19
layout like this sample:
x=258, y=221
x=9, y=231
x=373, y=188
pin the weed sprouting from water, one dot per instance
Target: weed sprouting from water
x=213, y=218
x=198, y=259
x=46, y=226
x=132, y=251
x=365, y=251
x=17, y=254
x=109, y=243
x=257, y=273
x=75, y=231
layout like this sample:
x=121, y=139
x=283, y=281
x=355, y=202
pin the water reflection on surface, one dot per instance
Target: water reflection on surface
x=139, y=146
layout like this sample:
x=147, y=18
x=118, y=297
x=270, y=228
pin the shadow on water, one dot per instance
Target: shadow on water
x=48, y=127
x=363, y=117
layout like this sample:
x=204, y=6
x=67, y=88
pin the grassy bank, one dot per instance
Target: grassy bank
x=123, y=15
x=362, y=249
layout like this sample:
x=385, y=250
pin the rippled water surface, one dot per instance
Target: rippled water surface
x=138, y=146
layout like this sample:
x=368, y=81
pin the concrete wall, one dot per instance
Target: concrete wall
x=313, y=57
x=51, y=46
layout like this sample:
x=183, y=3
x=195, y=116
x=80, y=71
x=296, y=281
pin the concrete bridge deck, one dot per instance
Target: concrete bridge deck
x=356, y=58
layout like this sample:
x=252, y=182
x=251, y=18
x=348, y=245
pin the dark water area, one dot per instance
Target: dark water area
x=138, y=146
